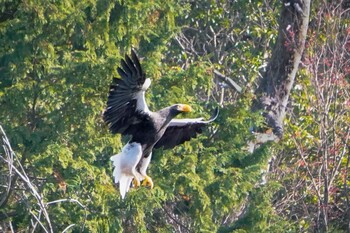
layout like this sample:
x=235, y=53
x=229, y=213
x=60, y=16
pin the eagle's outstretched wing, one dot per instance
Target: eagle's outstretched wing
x=126, y=103
x=181, y=130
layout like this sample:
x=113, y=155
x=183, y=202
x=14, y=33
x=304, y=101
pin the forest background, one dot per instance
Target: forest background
x=57, y=59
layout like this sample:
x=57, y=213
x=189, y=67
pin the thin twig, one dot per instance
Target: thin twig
x=38, y=221
x=67, y=228
x=64, y=200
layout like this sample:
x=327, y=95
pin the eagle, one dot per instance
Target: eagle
x=127, y=113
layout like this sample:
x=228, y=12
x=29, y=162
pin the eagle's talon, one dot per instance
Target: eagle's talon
x=136, y=182
x=148, y=182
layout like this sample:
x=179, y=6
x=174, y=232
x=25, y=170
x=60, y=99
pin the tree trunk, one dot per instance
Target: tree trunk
x=277, y=82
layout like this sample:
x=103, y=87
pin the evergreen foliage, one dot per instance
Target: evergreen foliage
x=57, y=59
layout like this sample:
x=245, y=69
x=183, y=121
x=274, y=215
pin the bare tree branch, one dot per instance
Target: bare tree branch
x=15, y=167
x=232, y=84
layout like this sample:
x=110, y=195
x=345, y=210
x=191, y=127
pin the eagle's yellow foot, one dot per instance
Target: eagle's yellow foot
x=148, y=182
x=136, y=182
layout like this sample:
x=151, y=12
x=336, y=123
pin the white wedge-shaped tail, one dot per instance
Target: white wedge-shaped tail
x=125, y=166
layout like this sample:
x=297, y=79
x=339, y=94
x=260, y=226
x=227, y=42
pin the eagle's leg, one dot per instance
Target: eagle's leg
x=136, y=181
x=147, y=181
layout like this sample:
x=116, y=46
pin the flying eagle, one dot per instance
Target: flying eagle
x=127, y=113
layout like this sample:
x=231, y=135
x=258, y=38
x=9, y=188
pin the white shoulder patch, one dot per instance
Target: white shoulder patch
x=140, y=97
x=146, y=85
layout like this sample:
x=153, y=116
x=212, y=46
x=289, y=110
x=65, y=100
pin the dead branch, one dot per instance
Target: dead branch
x=15, y=168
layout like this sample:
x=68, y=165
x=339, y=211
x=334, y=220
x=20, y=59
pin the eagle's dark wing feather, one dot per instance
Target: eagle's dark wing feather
x=181, y=130
x=126, y=100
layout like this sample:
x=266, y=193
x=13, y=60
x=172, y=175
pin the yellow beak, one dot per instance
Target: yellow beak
x=185, y=108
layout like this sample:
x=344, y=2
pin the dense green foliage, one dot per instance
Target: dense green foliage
x=57, y=59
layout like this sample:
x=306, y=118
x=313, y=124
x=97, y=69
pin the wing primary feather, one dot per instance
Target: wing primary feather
x=137, y=64
x=126, y=96
x=214, y=115
x=126, y=68
x=121, y=73
x=131, y=65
